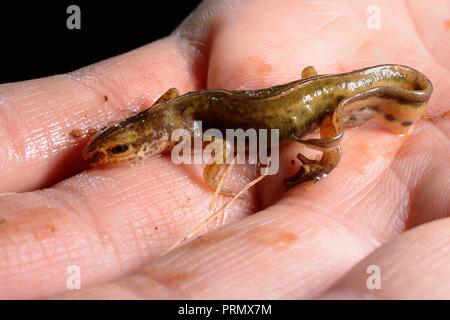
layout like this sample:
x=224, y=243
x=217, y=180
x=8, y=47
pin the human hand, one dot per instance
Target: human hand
x=115, y=223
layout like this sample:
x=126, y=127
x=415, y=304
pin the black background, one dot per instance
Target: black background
x=35, y=42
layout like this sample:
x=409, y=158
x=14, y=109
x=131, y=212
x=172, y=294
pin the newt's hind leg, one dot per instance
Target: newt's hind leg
x=394, y=108
x=331, y=134
x=168, y=95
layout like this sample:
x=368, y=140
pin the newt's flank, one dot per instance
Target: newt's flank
x=393, y=95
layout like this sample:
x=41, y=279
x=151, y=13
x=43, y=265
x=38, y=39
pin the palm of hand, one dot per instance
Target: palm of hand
x=115, y=223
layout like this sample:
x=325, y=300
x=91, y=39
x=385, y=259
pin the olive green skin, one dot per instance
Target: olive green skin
x=295, y=109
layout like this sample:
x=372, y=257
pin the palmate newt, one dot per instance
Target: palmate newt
x=393, y=95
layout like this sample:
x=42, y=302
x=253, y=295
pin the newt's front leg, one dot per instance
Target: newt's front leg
x=168, y=95
x=330, y=136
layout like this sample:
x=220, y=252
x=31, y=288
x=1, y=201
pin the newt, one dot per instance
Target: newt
x=393, y=95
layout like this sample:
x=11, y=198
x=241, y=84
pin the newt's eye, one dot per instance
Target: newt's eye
x=120, y=148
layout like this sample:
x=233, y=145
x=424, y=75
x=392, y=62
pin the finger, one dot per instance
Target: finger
x=106, y=222
x=414, y=266
x=38, y=116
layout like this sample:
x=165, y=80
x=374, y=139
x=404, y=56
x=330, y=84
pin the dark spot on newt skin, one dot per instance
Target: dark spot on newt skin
x=156, y=228
x=374, y=108
x=389, y=117
x=407, y=123
x=416, y=104
x=340, y=98
x=105, y=97
x=97, y=156
x=292, y=161
x=409, y=101
x=417, y=86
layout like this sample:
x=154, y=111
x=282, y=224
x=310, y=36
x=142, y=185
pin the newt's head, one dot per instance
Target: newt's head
x=112, y=145
x=137, y=137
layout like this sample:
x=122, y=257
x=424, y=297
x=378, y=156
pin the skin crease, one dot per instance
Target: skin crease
x=115, y=223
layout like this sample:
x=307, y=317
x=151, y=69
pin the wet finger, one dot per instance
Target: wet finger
x=414, y=266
